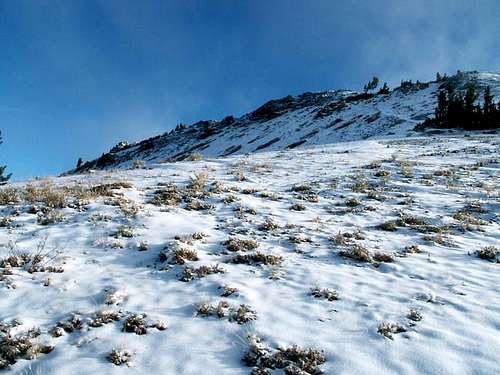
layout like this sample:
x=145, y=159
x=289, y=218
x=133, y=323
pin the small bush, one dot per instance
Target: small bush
x=20, y=346
x=414, y=315
x=169, y=195
x=388, y=329
x=268, y=225
x=190, y=273
x=412, y=249
x=297, y=207
x=357, y=252
x=329, y=294
x=125, y=231
x=136, y=323
x=389, y=226
x=119, y=357
x=50, y=217
x=488, y=253
x=257, y=258
x=238, y=244
x=292, y=360
x=383, y=257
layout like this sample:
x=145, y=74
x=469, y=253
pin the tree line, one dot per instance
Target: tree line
x=457, y=110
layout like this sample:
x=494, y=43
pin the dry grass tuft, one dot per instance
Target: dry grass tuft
x=388, y=329
x=297, y=207
x=383, y=257
x=292, y=360
x=268, y=225
x=239, y=244
x=191, y=273
x=329, y=294
x=257, y=258
x=136, y=323
x=357, y=252
x=20, y=346
x=488, y=253
x=119, y=357
x=168, y=195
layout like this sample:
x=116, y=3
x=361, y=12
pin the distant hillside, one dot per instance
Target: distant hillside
x=297, y=121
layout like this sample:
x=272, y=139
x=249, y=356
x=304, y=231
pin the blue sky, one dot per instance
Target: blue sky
x=77, y=76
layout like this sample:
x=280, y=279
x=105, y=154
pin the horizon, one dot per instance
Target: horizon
x=77, y=78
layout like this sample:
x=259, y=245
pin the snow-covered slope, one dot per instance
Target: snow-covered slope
x=369, y=256
x=308, y=119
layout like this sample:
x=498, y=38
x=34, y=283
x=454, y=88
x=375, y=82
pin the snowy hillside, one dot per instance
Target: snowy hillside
x=377, y=256
x=309, y=119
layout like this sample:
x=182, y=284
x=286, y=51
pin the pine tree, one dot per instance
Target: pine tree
x=372, y=85
x=441, y=110
x=384, y=89
x=470, y=118
x=3, y=178
x=488, y=108
x=79, y=163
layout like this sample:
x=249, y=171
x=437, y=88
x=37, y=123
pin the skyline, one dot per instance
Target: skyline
x=78, y=77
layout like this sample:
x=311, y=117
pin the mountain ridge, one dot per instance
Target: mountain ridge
x=311, y=118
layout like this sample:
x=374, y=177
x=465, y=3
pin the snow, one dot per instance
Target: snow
x=455, y=291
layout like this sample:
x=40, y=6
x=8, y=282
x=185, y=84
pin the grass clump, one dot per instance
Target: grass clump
x=198, y=205
x=126, y=231
x=388, y=329
x=50, y=217
x=297, y=207
x=103, y=317
x=136, y=323
x=293, y=360
x=329, y=294
x=228, y=290
x=414, y=315
x=238, y=244
x=301, y=188
x=10, y=195
x=168, y=195
x=20, y=346
x=119, y=357
x=191, y=273
x=488, y=252
x=257, y=258
x=389, y=226
x=241, y=314
x=357, y=252
x=412, y=249
x=268, y=225
x=298, y=238
x=383, y=257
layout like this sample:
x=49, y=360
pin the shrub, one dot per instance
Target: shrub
x=136, y=323
x=488, y=253
x=20, y=346
x=297, y=207
x=357, y=252
x=388, y=329
x=268, y=225
x=119, y=357
x=238, y=244
x=329, y=294
x=169, y=195
x=292, y=360
x=257, y=258
x=190, y=273
x=383, y=257
x=50, y=217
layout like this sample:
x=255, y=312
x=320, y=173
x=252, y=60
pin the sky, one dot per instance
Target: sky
x=78, y=76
